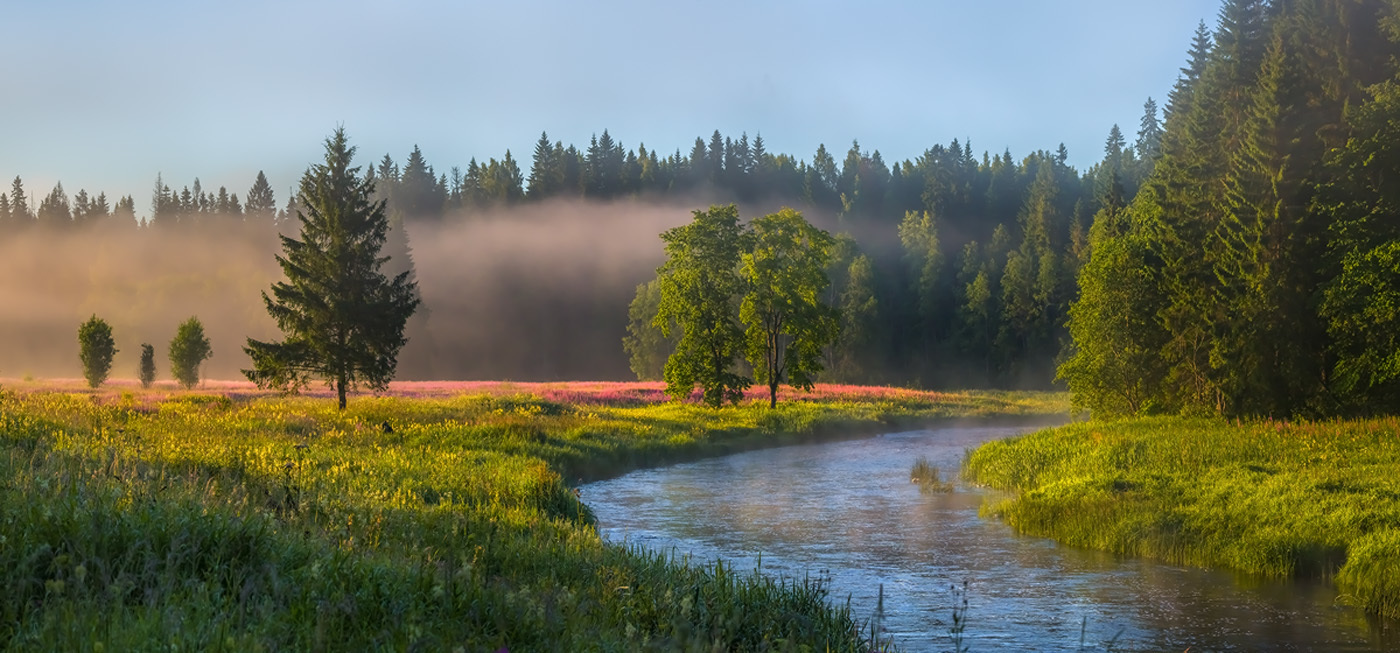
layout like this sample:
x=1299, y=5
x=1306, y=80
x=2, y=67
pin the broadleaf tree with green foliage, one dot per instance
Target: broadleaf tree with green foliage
x=96, y=347
x=148, y=365
x=700, y=287
x=787, y=324
x=647, y=348
x=1113, y=365
x=343, y=318
x=188, y=350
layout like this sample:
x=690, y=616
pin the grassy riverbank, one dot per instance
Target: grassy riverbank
x=1268, y=498
x=140, y=520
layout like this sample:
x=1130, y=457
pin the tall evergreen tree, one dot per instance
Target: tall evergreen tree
x=54, y=210
x=20, y=215
x=546, y=173
x=343, y=319
x=417, y=195
x=1149, y=136
x=260, y=204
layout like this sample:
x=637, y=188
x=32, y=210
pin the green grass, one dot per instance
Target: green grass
x=1268, y=498
x=927, y=477
x=200, y=522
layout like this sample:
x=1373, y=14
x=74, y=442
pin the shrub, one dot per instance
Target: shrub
x=96, y=349
x=188, y=351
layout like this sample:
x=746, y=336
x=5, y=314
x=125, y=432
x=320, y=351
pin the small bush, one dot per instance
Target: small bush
x=96, y=349
x=188, y=351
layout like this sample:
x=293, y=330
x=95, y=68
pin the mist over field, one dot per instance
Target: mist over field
x=538, y=292
x=144, y=283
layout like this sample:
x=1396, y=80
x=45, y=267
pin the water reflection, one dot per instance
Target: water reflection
x=847, y=509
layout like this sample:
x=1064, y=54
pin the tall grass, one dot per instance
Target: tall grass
x=1271, y=498
x=927, y=477
x=200, y=522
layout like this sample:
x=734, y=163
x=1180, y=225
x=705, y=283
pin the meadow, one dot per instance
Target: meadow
x=435, y=517
x=1270, y=498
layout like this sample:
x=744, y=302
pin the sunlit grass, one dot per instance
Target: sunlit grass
x=225, y=521
x=1271, y=498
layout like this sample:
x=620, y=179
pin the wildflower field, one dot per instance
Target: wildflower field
x=1271, y=498
x=436, y=517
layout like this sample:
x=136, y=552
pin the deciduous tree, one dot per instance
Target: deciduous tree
x=96, y=349
x=700, y=287
x=188, y=350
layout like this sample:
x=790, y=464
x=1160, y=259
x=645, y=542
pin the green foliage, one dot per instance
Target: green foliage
x=918, y=233
x=1364, y=306
x=1269, y=498
x=858, y=306
x=147, y=372
x=787, y=324
x=188, y=350
x=342, y=318
x=647, y=347
x=1113, y=368
x=1266, y=196
x=700, y=284
x=96, y=349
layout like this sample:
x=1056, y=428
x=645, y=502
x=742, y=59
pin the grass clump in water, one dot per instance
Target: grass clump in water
x=1272, y=498
x=928, y=478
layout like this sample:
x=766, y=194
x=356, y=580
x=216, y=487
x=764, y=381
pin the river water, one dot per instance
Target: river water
x=846, y=512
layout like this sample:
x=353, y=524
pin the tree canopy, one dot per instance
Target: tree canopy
x=700, y=284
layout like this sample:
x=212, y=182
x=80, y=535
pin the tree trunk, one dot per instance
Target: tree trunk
x=772, y=394
x=340, y=390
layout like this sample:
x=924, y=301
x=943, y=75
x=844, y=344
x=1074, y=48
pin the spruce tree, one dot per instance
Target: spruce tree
x=260, y=204
x=417, y=195
x=147, y=371
x=1149, y=136
x=54, y=210
x=342, y=318
x=545, y=172
x=20, y=215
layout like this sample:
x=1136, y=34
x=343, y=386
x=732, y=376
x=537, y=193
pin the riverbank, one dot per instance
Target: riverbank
x=208, y=521
x=1268, y=498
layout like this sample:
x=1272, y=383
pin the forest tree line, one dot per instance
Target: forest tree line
x=950, y=270
x=1257, y=270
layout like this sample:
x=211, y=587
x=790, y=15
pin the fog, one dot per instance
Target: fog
x=143, y=283
x=538, y=292
x=533, y=293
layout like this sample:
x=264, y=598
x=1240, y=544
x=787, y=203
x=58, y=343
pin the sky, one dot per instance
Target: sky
x=105, y=95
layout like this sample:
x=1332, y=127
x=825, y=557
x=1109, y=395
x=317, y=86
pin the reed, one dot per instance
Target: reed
x=928, y=478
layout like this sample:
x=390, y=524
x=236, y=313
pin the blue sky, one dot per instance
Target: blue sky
x=105, y=95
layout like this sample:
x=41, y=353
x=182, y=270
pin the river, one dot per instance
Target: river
x=846, y=512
